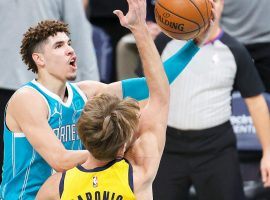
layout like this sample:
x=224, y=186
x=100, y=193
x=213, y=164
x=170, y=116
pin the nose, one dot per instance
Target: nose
x=69, y=50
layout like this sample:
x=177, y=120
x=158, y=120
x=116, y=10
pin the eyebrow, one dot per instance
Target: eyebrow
x=61, y=42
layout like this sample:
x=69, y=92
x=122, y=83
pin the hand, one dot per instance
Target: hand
x=204, y=35
x=265, y=169
x=136, y=15
x=153, y=28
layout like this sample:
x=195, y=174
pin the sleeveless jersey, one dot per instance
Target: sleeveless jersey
x=111, y=182
x=24, y=170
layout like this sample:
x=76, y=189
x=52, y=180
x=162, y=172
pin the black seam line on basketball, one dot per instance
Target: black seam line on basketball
x=195, y=5
x=197, y=33
x=176, y=14
x=198, y=11
x=185, y=32
x=181, y=33
x=207, y=10
x=178, y=32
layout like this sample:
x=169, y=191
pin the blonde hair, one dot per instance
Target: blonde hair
x=106, y=124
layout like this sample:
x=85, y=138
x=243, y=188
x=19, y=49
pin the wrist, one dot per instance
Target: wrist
x=266, y=151
x=141, y=33
x=139, y=29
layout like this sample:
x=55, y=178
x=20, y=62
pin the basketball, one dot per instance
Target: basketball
x=183, y=19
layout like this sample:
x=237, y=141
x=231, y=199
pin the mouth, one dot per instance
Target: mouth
x=72, y=61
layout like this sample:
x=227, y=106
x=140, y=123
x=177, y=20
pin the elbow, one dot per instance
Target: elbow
x=61, y=162
x=256, y=103
x=58, y=168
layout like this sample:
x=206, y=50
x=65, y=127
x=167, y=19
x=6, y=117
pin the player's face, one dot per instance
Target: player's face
x=60, y=58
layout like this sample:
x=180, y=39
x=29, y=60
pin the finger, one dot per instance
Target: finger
x=213, y=10
x=264, y=175
x=212, y=22
x=119, y=14
x=130, y=3
x=134, y=1
x=267, y=184
x=267, y=178
x=141, y=2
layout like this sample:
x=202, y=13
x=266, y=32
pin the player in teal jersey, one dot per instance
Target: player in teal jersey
x=40, y=133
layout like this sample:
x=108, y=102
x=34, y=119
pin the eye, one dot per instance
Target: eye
x=58, y=46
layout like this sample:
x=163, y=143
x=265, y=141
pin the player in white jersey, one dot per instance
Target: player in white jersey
x=40, y=133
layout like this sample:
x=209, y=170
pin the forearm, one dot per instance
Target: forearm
x=71, y=158
x=260, y=115
x=137, y=87
x=152, y=65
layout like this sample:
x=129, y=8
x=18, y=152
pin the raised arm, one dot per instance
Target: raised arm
x=129, y=87
x=173, y=68
x=156, y=79
x=27, y=113
x=145, y=153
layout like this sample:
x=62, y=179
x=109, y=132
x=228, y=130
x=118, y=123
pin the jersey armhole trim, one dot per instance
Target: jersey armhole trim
x=61, y=185
x=49, y=110
x=78, y=89
x=26, y=86
x=5, y=118
x=130, y=175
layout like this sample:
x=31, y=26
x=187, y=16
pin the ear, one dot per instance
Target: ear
x=121, y=151
x=38, y=59
x=124, y=148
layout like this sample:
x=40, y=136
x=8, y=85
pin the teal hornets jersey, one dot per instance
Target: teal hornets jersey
x=24, y=170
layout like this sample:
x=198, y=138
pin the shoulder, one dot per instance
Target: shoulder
x=89, y=88
x=26, y=95
x=237, y=48
x=92, y=88
x=240, y=53
x=27, y=98
x=85, y=86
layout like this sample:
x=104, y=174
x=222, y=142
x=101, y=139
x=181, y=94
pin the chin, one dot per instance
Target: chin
x=71, y=78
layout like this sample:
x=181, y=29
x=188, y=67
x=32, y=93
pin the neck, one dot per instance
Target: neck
x=54, y=85
x=92, y=163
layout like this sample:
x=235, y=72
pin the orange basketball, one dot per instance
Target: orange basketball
x=183, y=19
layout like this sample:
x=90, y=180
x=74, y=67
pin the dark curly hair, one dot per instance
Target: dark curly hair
x=35, y=36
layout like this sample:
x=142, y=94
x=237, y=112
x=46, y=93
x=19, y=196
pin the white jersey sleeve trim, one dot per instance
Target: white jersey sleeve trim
x=54, y=96
x=82, y=94
x=49, y=109
x=19, y=135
